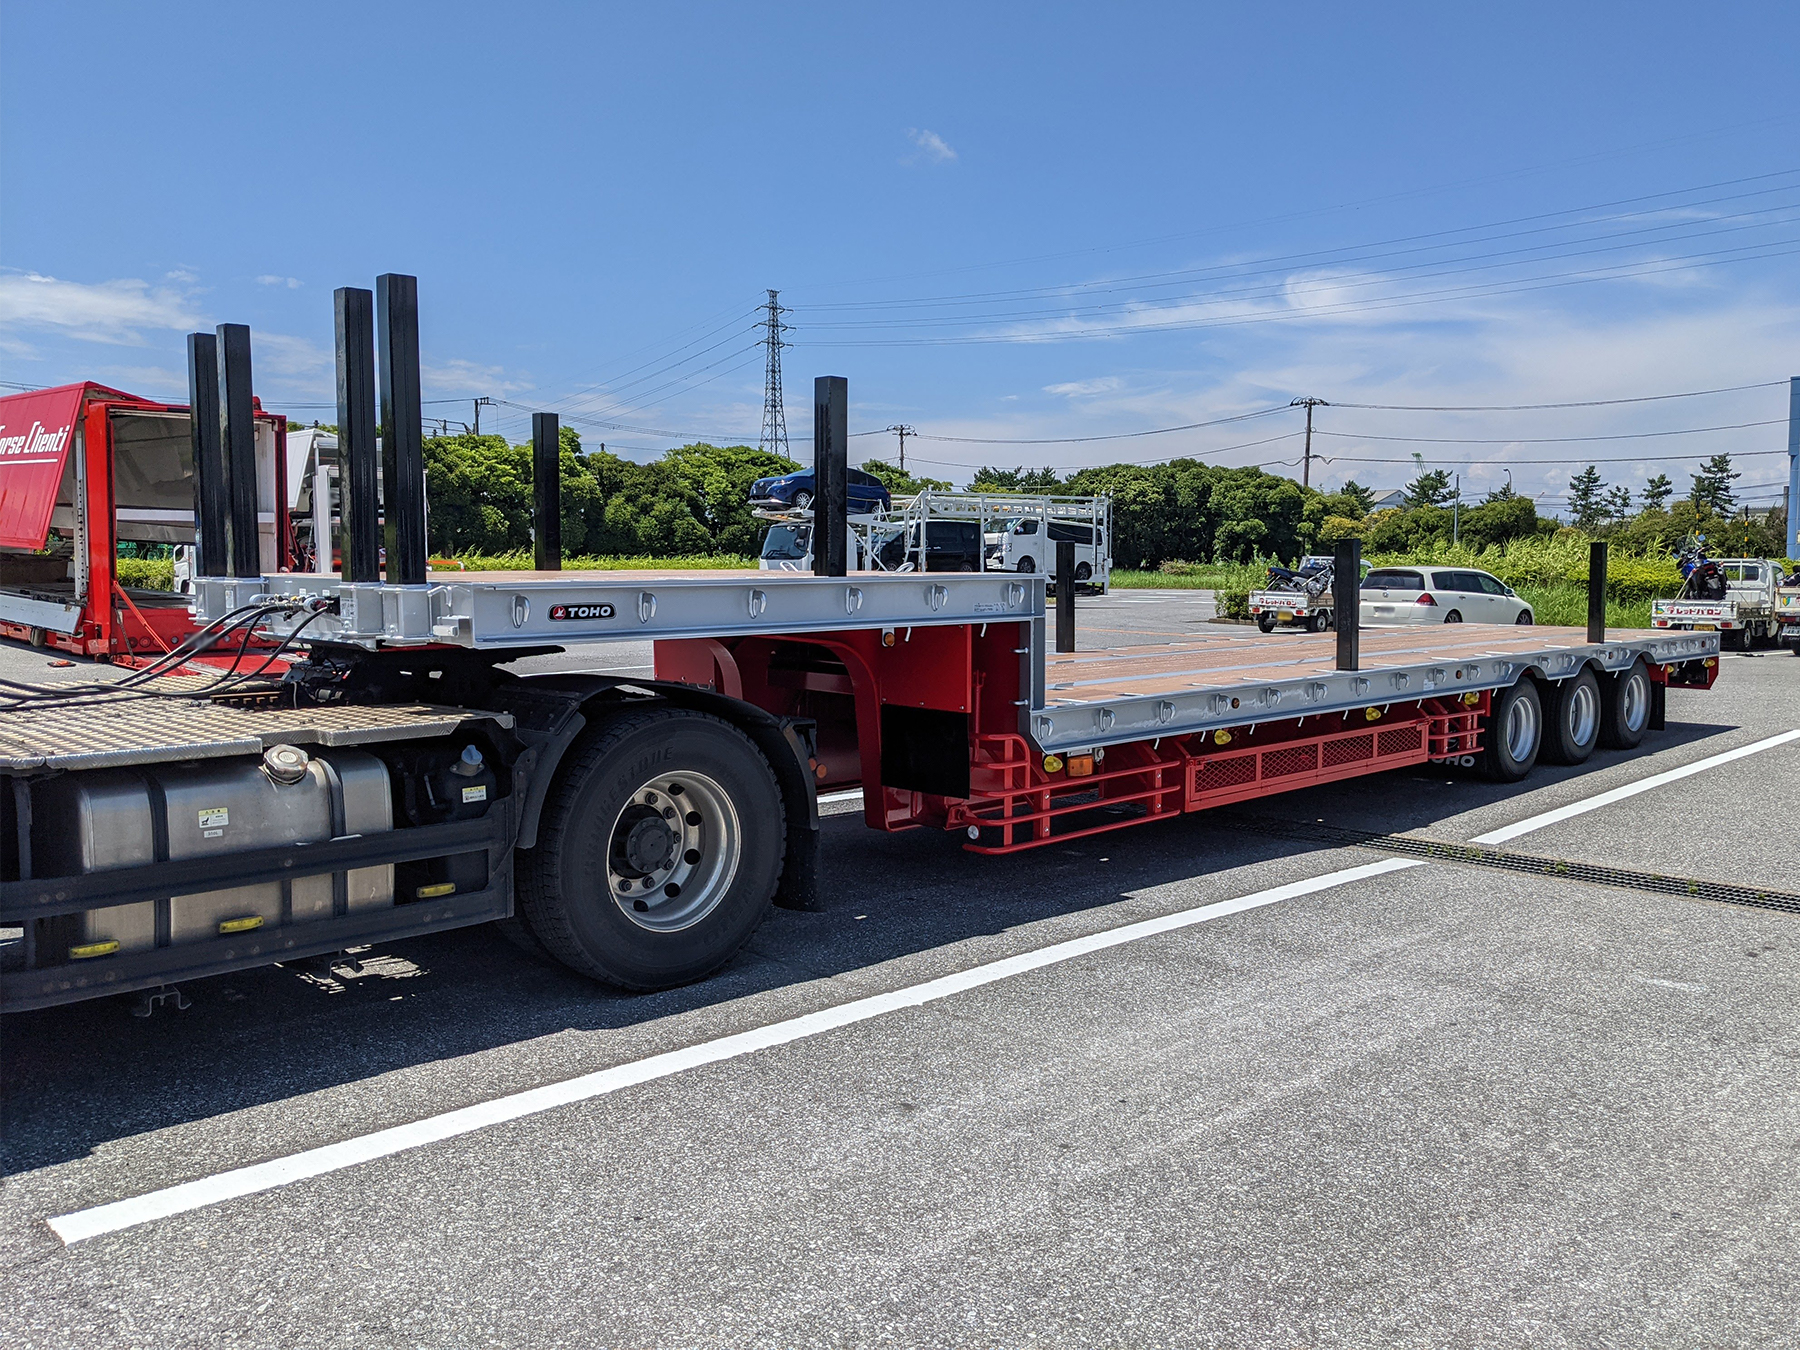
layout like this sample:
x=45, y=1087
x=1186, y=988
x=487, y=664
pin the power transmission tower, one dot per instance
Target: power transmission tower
x=1306, y=458
x=774, y=426
x=904, y=433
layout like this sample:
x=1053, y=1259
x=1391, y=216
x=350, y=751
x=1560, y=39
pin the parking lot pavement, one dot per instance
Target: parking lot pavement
x=1442, y=1105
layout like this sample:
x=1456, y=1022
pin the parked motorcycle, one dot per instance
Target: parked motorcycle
x=1701, y=577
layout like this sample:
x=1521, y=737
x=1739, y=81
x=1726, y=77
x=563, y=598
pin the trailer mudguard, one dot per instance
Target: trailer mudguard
x=553, y=710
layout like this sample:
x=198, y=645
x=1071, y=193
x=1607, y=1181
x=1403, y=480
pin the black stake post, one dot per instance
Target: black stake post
x=1065, y=595
x=546, y=492
x=212, y=484
x=1346, y=602
x=402, y=428
x=1597, y=591
x=237, y=437
x=359, y=457
x=831, y=476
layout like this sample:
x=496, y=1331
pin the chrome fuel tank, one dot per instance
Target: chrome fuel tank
x=92, y=821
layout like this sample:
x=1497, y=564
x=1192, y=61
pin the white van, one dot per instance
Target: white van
x=1028, y=544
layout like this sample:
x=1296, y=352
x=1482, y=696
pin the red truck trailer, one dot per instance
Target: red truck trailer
x=397, y=779
x=84, y=468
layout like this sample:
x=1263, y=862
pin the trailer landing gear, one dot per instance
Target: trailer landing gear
x=659, y=850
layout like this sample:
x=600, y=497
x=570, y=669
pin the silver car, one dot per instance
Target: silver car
x=1395, y=595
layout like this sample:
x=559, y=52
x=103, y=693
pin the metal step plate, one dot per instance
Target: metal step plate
x=113, y=734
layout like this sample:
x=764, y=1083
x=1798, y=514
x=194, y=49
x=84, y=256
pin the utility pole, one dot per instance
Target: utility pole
x=1456, y=514
x=904, y=432
x=774, y=426
x=481, y=403
x=1306, y=459
x=1793, y=488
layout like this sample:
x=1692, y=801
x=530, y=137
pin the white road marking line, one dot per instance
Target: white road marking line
x=1619, y=794
x=122, y=1214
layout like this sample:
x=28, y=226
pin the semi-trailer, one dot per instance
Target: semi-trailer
x=395, y=778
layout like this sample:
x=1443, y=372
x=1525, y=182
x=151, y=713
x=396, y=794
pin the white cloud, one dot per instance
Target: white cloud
x=102, y=311
x=931, y=147
x=269, y=279
x=459, y=376
x=1086, y=388
x=182, y=274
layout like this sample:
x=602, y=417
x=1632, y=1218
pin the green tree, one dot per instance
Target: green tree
x=1353, y=493
x=1499, y=521
x=1656, y=492
x=1618, y=503
x=1503, y=493
x=1016, y=479
x=1585, y=505
x=720, y=478
x=1711, y=491
x=899, y=482
x=1430, y=488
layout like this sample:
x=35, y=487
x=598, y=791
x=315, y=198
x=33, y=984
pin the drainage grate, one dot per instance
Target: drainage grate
x=1478, y=855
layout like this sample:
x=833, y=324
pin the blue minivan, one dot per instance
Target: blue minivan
x=795, y=492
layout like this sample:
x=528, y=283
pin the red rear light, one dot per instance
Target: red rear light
x=1425, y=600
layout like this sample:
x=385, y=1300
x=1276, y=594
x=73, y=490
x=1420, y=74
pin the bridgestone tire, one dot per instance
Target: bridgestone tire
x=565, y=887
x=1572, y=717
x=1625, y=708
x=1501, y=759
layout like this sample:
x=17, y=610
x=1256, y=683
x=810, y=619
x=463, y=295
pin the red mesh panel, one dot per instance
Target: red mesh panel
x=1349, y=749
x=1291, y=759
x=1399, y=740
x=1231, y=771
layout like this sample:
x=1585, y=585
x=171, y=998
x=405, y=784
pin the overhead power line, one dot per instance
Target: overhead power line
x=1551, y=440
x=1083, y=440
x=1502, y=463
x=1532, y=407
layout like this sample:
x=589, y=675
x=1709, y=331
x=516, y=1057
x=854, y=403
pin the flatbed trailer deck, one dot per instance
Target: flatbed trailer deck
x=395, y=778
x=935, y=695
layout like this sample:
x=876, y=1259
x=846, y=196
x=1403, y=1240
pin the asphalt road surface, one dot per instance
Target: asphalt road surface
x=1353, y=1103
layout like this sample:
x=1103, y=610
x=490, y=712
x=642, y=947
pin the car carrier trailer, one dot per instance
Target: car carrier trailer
x=397, y=780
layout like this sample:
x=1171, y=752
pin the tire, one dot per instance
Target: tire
x=1083, y=571
x=1625, y=708
x=1524, y=617
x=605, y=834
x=1514, y=732
x=1028, y=564
x=1735, y=640
x=1266, y=622
x=1454, y=616
x=802, y=501
x=1318, y=623
x=1572, y=717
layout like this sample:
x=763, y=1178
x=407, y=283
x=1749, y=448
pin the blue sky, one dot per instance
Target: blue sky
x=1000, y=222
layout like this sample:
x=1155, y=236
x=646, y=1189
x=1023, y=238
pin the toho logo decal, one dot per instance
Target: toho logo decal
x=562, y=612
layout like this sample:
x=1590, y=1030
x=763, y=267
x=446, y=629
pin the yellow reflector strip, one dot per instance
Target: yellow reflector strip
x=88, y=949
x=243, y=925
x=436, y=889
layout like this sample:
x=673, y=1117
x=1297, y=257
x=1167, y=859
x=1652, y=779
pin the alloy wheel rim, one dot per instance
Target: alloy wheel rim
x=672, y=851
x=1521, y=729
x=1634, y=701
x=1584, y=714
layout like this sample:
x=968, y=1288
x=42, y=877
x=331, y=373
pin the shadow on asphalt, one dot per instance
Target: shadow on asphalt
x=76, y=1077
